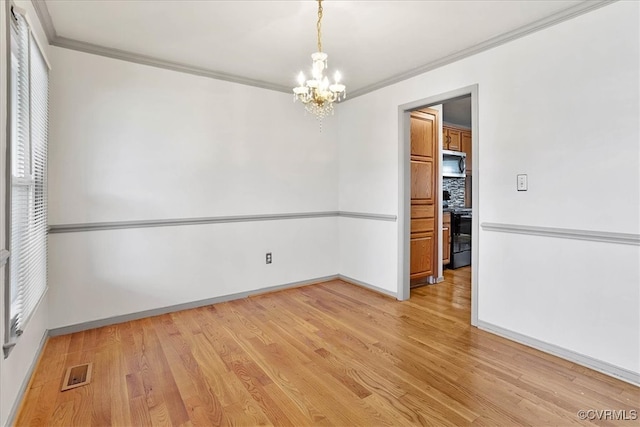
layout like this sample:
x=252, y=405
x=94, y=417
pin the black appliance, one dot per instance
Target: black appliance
x=446, y=196
x=460, y=238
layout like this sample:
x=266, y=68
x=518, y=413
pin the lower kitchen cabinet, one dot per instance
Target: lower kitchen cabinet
x=446, y=238
x=422, y=245
x=423, y=241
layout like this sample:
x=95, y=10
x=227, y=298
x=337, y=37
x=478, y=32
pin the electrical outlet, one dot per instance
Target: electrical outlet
x=269, y=258
x=522, y=182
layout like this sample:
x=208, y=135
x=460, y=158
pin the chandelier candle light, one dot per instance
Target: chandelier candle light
x=318, y=94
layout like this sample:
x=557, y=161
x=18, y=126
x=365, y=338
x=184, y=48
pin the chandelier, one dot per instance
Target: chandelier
x=318, y=94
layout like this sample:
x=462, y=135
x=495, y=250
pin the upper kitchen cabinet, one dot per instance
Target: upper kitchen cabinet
x=451, y=138
x=423, y=135
x=466, y=147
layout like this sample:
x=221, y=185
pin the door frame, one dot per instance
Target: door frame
x=404, y=189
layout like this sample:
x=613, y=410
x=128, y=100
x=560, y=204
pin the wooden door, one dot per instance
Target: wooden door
x=424, y=175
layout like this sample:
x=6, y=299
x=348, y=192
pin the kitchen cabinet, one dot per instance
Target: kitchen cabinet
x=423, y=135
x=422, y=183
x=466, y=147
x=422, y=245
x=446, y=238
x=451, y=138
x=424, y=174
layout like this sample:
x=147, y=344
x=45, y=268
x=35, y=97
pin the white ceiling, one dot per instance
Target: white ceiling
x=267, y=43
x=457, y=112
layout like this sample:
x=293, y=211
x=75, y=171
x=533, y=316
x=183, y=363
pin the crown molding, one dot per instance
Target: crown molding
x=541, y=24
x=55, y=40
x=45, y=18
x=160, y=63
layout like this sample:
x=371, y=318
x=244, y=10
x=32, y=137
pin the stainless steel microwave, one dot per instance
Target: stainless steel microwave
x=454, y=164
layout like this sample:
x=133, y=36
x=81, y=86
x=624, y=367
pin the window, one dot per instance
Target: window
x=28, y=135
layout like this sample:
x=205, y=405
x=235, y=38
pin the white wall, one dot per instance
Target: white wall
x=562, y=106
x=14, y=369
x=135, y=142
x=109, y=273
x=132, y=142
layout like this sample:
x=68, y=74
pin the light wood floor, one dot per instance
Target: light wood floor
x=326, y=354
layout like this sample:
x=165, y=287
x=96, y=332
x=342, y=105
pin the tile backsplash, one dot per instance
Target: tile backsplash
x=455, y=186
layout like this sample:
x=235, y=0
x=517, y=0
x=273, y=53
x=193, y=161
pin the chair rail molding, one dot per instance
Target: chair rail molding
x=564, y=233
x=118, y=225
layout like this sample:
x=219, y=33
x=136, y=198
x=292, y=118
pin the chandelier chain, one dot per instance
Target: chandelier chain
x=319, y=25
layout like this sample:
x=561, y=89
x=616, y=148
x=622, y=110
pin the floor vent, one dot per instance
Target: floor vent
x=77, y=376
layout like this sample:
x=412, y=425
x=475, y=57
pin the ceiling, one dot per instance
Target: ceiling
x=266, y=43
x=457, y=112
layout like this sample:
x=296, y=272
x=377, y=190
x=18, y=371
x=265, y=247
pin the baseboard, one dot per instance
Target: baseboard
x=15, y=408
x=367, y=285
x=572, y=356
x=79, y=327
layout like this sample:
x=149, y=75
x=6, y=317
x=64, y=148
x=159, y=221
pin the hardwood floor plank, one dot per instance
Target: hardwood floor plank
x=247, y=413
x=186, y=371
x=29, y=407
x=103, y=378
x=167, y=382
x=120, y=413
x=160, y=416
x=299, y=415
x=396, y=416
x=329, y=354
x=51, y=363
x=275, y=362
x=139, y=412
x=252, y=384
x=63, y=414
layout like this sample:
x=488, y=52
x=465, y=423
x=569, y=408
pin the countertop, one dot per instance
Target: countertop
x=453, y=209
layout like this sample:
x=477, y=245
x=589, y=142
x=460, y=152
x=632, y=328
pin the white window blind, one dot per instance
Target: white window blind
x=29, y=111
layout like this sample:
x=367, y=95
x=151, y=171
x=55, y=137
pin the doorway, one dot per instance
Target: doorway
x=404, y=190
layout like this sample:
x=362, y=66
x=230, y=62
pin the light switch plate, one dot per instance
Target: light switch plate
x=522, y=182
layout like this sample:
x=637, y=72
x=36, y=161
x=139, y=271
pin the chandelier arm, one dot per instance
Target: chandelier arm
x=319, y=25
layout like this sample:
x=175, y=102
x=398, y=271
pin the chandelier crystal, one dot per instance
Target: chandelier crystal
x=318, y=94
